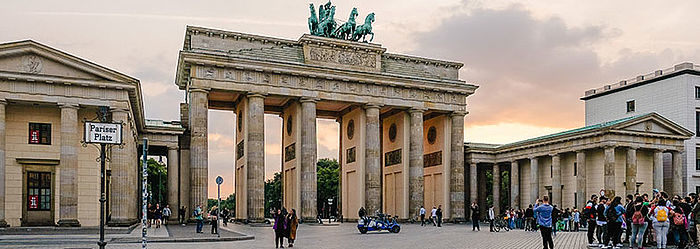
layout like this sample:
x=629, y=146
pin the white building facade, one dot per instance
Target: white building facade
x=673, y=93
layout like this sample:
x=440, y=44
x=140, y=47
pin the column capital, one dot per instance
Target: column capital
x=372, y=105
x=532, y=158
x=580, y=151
x=69, y=105
x=554, y=154
x=201, y=90
x=308, y=99
x=417, y=109
x=458, y=113
x=632, y=147
x=171, y=147
x=609, y=146
x=255, y=95
x=118, y=109
x=3, y=102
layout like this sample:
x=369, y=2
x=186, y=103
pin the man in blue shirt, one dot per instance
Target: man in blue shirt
x=544, y=219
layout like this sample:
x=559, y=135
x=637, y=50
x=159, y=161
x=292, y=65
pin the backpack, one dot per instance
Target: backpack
x=611, y=214
x=679, y=219
x=661, y=214
x=637, y=217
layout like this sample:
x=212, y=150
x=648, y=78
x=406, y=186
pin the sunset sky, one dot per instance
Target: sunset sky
x=532, y=60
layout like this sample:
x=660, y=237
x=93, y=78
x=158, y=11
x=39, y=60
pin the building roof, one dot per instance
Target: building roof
x=679, y=69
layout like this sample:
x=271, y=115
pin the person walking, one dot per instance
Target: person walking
x=181, y=213
x=422, y=215
x=639, y=224
x=492, y=218
x=198, y=215
x=613, y=215
x=601, y=222
x=475, y=216
x=433, y=216
x=292, y=223
x=438, y=214
x=529, y=218
x=213, y=216
x=544, y=220
x=166, y=214
x=590, y=213
x=280, y=227
x=158, y=215
x=659, y=217
x=577, y=220
x=150, y=215
x=678, y=225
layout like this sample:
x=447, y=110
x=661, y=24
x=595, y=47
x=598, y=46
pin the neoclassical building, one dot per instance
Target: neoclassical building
x=617, y=157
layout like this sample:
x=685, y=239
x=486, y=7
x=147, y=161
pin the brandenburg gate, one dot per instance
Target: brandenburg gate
x=401, y=120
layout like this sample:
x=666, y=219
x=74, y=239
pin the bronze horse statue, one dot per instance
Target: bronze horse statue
x=364, y=29
x=345, y=31
x=327, y=25
x=313, y=21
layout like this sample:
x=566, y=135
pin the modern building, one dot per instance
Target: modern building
x=673, y=93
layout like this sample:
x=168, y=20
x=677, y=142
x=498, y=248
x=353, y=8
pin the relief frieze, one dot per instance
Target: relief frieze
x=343, y=57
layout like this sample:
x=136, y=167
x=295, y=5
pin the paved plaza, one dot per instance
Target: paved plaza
x=346, y=236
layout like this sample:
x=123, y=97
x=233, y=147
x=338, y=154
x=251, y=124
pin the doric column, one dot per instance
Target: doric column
x=677, y=169
x=173, y=180
x=415, y=163
x=556, y=179
x=659, y=169
x=631, y=172
x=457, y=167
x=199, y=147
x=308, y=159
x=609, y=171
x=514, y=184
x=68, y=214
x=373, y=168
x=473, y=178
x=581, y=179
x=534, y=180
x=3, y=222
x=184, y=182
x=256, y=157
x=124, y=188
x=496, y=191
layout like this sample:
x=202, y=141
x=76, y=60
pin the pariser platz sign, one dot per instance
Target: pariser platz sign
x=103, y=133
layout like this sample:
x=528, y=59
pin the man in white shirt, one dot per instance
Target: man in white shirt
x=492, y=218
x=433, y=216
x=422, y=216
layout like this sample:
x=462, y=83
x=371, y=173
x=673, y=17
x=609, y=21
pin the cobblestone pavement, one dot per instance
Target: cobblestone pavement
x=346, y=236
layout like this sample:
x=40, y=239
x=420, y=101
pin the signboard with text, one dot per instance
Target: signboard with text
x=103, y=133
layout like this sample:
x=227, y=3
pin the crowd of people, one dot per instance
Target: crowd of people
x=157, y=215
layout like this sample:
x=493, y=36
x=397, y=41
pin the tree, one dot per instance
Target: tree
x=273, y=193
x=228, y=203
x=327, y=171
x=157, y=176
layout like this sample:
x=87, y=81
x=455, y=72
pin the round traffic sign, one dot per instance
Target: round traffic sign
x=219, y=180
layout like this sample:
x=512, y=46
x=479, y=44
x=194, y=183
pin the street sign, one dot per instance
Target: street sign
x=103, y=133
x=219, y=180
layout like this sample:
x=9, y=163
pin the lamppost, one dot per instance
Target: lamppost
x=219, y=181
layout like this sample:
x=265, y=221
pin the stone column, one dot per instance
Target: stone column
x=68, y=213
x=631, y=172
x=415, y=163
x=199, y=147
x=473, y=178
x=677, y=169
x=308, y=159
x=514, y=184
x=256, y=157
x=457, y=204
x=659, y=169
x=609, y=171
x=534, y=180
x=581, y=179
x=125, y=187
x=373, y=173
x=184, y=183
x=496, y=191
x=3, y=104
x=556, y=180
x=173, y=181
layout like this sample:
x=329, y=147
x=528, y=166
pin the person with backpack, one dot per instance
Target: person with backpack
x=200, y=219
x=589, y=213
x=679, y=225
x=659, y=217
x=613, y=216
x=638, y=221
x=629, y=202
x=545, y=221
x=601, y=222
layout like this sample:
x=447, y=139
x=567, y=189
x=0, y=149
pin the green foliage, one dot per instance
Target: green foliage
x=273, y=193
x=505, y=186
x=327, y=171
x=228, y=203
x=157, y=181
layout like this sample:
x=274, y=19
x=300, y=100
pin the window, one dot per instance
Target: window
x=38, y=191
x=551, y=172
x=697, y=189
x=39, y=133
x=697, y=123
x=630, y=106
x=575, y=169
x=697, y=159
x=697, y=92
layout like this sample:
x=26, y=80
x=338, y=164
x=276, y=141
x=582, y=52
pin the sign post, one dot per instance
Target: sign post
x=144, y=193
x=102, y=133
x=219, y=181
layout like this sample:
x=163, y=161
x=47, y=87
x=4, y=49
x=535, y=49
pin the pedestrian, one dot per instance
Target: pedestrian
x=659, y=217
x=590, y=213
x=438, y=214
x=158, y=215
x=529, y=218
x=629, y=202
x=363, y=215
x=544, y=220
x=198, y=215
x=475, y=216
x=556, y=215
x=613, y=215
x=292, y=223
x=639, y=224
x=422, y=215
x=166, y=214
x=150, y=214
x=280, y=227
x=182, y=213
x=601, y=222
x=492, y=218
x=433, y=216
x=224, y=216
x=577, y=219
x=566, y=218
x=678, y=225
x=213, y=216
x=695, y=210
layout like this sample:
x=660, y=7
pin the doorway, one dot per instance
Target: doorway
x=38, y=186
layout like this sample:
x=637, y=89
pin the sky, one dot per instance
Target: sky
x=532, y=60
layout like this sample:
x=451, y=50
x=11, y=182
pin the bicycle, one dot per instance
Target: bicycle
x=501, y=223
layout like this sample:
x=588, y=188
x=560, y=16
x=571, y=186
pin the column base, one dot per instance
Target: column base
x=458, y=220
x=309, y=220
x=122, y=222
x=68, y=223
x=3, y=223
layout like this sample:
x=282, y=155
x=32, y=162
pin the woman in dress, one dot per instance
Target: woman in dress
x=292, y=224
